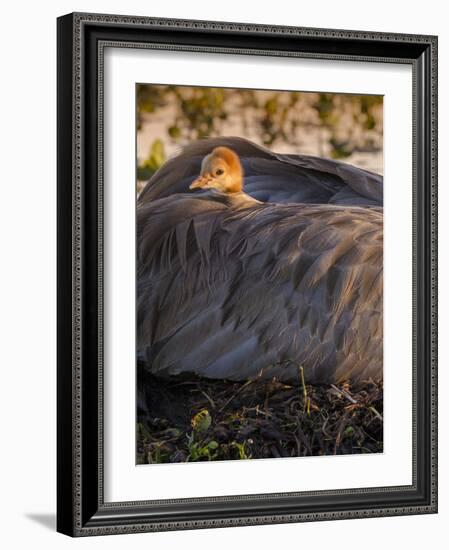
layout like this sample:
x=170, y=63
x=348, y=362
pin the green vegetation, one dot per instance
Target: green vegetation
x=348, y=122
x=156, y=158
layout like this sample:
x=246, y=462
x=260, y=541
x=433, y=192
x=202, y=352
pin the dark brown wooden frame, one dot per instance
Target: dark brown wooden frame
x=81, y=507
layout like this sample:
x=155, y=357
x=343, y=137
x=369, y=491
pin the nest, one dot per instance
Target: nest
x=183, y=419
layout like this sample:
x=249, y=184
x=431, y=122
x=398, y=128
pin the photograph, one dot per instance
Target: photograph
x=259, y=273
x=246, y=274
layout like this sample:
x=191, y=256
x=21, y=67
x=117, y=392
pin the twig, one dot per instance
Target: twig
x=298, y=444
x=323, y=428
x=342, y=425
x=304, y=391
x=376, y=412
x=235, y=394
x=345, y=393
x=304, y=439
x=259, y=411
x=209, y=399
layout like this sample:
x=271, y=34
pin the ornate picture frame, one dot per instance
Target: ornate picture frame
x=81, y=507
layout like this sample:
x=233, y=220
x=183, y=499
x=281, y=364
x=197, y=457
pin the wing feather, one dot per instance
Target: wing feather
x=272, y=177
x=257, y=291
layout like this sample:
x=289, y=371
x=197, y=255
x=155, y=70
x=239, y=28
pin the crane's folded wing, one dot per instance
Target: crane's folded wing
x=259, y=290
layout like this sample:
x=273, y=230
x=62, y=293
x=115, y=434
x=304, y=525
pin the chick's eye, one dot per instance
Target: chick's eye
x=219, y=172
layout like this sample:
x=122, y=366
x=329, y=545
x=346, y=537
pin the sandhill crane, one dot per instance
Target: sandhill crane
x=251, y=263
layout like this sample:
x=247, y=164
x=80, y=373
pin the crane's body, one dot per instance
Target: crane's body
x=235, y=283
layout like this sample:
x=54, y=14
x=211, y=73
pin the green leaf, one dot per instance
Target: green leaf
x=201, y=421
x=174, y=132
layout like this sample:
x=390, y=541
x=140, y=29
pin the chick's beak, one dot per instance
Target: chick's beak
x=200, y=182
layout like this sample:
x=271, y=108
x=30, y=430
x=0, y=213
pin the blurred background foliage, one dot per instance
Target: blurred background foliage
x=340, y=126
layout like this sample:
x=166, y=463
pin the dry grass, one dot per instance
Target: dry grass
x=191, y=419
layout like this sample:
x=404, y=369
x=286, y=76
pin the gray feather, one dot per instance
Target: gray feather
x=271, y=177
x=236, y=289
